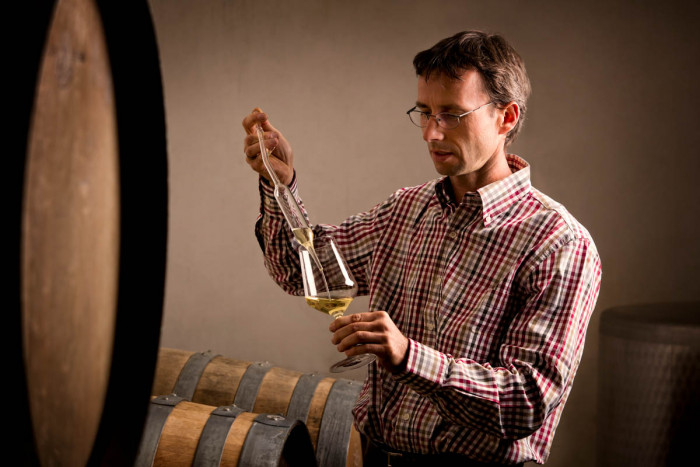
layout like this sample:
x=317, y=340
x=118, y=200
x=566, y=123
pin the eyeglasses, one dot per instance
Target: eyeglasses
x=445, y=120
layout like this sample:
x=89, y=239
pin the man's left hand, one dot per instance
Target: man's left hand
x=378, y=335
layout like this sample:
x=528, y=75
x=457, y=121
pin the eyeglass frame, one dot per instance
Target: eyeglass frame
x=437, y=119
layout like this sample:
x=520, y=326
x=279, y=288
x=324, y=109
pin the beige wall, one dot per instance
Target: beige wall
x=609, y=134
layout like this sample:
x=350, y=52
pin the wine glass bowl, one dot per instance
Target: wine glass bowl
x=329, y=286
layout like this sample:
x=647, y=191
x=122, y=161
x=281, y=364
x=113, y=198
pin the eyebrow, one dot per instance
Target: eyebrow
x=446, y=109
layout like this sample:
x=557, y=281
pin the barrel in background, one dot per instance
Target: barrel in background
x=182, y=433
x=323, y=404
x=92, y=232
x=649, y=393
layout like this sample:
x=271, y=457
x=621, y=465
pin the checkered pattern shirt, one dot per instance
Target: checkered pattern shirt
x=494, y=293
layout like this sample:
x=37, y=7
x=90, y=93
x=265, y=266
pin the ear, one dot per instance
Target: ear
x=509, y=117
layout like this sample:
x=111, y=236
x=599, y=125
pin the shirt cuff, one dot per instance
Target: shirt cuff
x=426, y=368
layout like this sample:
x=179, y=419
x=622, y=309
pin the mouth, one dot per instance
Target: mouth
x=439, y=155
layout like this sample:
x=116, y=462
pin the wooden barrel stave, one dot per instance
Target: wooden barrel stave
x=210, y=390
x=276, y=391
x=239, y=430
x=170, y=364
x=180, y=436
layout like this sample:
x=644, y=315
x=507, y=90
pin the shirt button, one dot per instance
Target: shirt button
x=405, y=416
x=429, y=326
x=452, y=235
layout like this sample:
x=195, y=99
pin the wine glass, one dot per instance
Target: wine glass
x=329, y=287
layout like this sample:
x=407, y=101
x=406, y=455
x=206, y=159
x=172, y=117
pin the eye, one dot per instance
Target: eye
x=447, y=119
x=419, y=117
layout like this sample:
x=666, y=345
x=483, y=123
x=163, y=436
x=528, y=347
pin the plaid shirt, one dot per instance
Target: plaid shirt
x=494, y=293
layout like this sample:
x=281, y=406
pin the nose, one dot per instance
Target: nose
x=432, y=131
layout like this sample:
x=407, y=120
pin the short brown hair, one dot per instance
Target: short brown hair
x=500, y=66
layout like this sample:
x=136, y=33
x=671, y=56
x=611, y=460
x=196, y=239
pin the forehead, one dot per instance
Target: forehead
x=445, y=92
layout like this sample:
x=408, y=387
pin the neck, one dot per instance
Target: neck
x=493, y=170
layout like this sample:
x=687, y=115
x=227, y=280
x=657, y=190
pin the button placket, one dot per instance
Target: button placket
x=458, y=232
x=438, y=278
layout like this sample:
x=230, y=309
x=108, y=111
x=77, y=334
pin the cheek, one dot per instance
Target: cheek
x=477, y=137
x=467, y=141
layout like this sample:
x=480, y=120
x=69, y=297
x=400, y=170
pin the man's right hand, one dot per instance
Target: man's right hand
x=281, y=157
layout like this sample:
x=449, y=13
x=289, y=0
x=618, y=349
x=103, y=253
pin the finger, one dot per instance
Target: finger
x=252, y=145
x=345, y=320
x=257, y=117
x=256, y=164
x=251, y=141
x=359, y=332
x=376, y=349
x=266, y=125
x=267, y=136
x=376, y=318
x=254, y=118
x=360, y=338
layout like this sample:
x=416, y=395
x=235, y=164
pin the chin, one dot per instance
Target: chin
x=449, y=171
x=442, y=171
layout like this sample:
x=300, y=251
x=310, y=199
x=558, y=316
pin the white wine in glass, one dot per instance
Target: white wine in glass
x=329, y=287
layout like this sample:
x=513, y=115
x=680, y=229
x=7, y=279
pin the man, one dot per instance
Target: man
x=481, y=287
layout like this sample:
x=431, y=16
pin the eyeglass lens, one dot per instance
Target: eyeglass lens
x=444, y=120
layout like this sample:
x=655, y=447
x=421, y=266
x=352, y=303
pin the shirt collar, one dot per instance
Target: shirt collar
x=496, y=197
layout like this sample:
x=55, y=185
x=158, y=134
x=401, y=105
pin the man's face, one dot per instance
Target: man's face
x=473, y=146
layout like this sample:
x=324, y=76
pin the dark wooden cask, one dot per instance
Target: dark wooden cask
x=92, y=229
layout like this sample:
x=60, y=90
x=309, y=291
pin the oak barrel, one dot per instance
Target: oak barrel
x=182, y=433
x=323, y=404
x=92, y=226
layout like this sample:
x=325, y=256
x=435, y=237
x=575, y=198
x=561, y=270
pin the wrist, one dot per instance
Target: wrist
x=402, y=359
x=289, y=180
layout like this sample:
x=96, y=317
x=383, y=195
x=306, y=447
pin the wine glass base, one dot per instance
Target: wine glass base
x=351, y=363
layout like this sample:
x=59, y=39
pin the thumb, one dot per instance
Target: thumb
x=265, y=123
